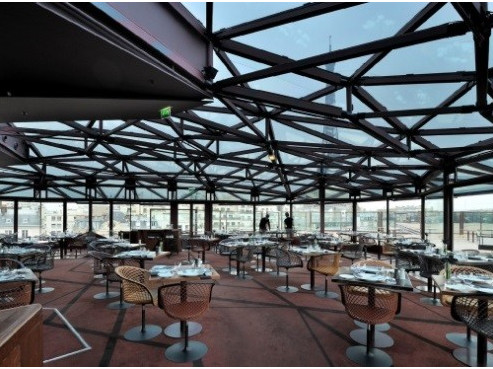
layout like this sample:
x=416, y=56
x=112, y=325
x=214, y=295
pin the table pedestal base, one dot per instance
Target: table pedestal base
x=469, y=357
x=375, y=357
x=460, y=339
x=288, y=289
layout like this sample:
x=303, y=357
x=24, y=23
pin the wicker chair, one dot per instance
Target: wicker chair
x=99, y=267
x=389, y=250
x=328, y=265
x=110, y=264
x=40, y=262
x=429, y=266
x=243, y=255
x=15, y=293
x=137, y=290
x=475, y=310
x=10, y=263
x=462, y=339
x=352, y=251
x=185, y=301
x=288, y=260
x=371, y=306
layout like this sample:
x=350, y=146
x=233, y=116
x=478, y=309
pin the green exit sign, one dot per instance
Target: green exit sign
x=165, y=112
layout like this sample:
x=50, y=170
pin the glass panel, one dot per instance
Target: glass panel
x=184, y=218
x=51, y=218
x=232, y=218
x=6, y=217
x=198, y=222
x=29, y=220
x=473, y=222
x=160, y=217
x=100, y=219
x=306, y=217
x=434, y=219
x=121, y=218
x=77, y=217
x=338, y=217
x=371, y=217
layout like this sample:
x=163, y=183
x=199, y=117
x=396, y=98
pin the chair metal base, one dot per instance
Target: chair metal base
x=375, y=357
x=382, y=340
x=326, y=295
x=104, y=295
x=136, y=334
x=259, y=269
x=378, y=327
x=460, y=339
x=288, y=289
x=45, y=289
x=116, y=305
x=195, y=351
x=230, y=271
x=174, y=330
x=430, y=301
x=469, y=357
x=308, y=287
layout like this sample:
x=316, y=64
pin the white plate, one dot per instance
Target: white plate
x=346, y=276
x=166, y=273
x=460, y=287
x=190, y=272
x=484, y=290
x=371, y=277
x=473, y=278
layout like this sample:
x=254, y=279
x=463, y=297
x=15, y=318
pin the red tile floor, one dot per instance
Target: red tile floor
x=249, y=323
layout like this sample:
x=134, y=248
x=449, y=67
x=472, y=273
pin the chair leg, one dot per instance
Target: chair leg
x=119, y=305
x=144, y=332
x=287, y=288
x=42, y=289
x=325, y=293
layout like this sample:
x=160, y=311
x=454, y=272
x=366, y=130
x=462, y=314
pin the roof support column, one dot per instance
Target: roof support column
x=208, y=217
x=355, y=215
x=321, y=196
x=174, y=215
x=448, y=208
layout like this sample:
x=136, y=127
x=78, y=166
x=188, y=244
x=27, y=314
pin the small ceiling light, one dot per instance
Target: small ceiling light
x=271, y=155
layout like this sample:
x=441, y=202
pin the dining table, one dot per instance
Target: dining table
x=141, y=255
x=308, y=253
x=240, y=243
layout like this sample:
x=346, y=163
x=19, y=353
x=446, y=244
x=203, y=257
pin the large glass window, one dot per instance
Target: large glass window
x=198, y=222
x=101, y=219
x=29, y=220
x=121, y=218
x=405, y=217
x=184, y=218
x=473, y=221
x=434, y=220
x=6, y=217
x=338, y=217
x=371, y=216
x=77, y=217
x=232, y=218
x=306, y=217
x=160, y=217
x=51, y=218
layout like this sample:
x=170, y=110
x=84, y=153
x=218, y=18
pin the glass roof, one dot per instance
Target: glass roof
x=348, y=95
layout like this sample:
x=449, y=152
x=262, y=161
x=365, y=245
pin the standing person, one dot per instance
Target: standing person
x=288, y=225
x=264, y=224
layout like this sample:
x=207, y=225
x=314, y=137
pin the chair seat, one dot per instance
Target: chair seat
x=187, y=310
x=371, y=314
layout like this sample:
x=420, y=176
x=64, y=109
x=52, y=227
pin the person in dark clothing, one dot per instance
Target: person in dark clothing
x=288, y=225
x=264, y=224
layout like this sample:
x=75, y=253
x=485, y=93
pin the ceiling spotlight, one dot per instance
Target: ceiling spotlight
x=271, y=155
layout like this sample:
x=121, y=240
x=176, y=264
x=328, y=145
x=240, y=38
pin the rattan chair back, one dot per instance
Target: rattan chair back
x=135, y=285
